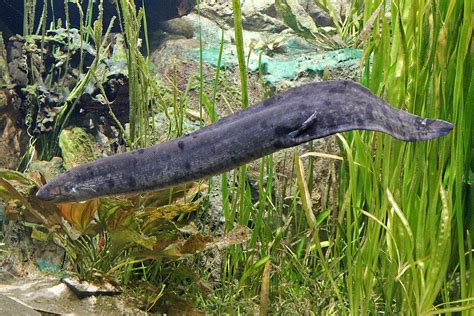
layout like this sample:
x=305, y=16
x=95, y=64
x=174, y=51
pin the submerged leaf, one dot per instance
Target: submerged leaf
x=124, y=236
x=171, y=304
x=115, y=212
x=179, y=194
x=40, y=235
x=197, y=243
x=265, y=289
x=79, y=214
x=14, y=197
x=10, y=175
x=296, y=17
x=151, y=214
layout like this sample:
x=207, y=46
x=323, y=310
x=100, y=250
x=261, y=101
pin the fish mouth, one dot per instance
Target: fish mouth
x=56, y=193
x=412, y=128
x=433, y=128
x=442, y=127
x=44, y=194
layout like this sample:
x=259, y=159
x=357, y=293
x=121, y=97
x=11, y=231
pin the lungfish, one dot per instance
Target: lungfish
x=294, y=117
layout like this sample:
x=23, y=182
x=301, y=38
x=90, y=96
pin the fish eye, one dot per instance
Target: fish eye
x=421, y=123
x=70, y=188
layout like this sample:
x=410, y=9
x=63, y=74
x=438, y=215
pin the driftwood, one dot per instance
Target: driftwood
x=12, y=12
x=12, y=135
x=45, y=85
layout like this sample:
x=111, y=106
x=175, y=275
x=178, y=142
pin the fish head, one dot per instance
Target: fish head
x=415, y=128
x=64, y=188
x=53, y=192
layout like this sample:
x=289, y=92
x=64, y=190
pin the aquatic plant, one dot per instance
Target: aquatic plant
x=52, y=91
x=402, y=207
x=400, y=237
x=348, y=27
x=144, y=94
x=104, y=238
x=403, y=226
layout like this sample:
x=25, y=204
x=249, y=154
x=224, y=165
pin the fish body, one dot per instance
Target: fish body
x=294, y=117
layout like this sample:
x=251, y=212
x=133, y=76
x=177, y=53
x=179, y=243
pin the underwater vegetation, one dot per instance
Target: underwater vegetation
x=391, y=230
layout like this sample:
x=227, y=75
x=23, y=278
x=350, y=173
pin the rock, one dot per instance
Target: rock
x=26, y=255
x=171, y=48
x=13, y=138
x=44, y=96
x=178, y=27
x=78, y=147
x=257, y=15
x=4, y=76
x=281, y=67
x=261, y=15
x=51, y=297
x=321, y=17
x=10, y=307
x=17, y=64
x=219, y=11
x=49, y=169
x=285, y=57
x=93, y=106
x=50, y=258
x=250, y=7
x=5, y=31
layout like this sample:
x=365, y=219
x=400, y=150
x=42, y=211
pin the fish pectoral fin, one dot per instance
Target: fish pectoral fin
x=305, y=126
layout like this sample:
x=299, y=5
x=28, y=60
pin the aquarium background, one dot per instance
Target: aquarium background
x=356, y=223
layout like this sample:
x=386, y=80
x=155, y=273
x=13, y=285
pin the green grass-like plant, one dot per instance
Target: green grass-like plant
x=400, y=239
x=401, y=227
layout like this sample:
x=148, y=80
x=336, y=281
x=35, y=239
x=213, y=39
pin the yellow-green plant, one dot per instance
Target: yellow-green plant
x=402, y=223
x=29, y=12
x=346, y=29
x=106, y=236
x=143, y=93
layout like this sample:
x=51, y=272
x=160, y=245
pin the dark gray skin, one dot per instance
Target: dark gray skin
x=297, y=116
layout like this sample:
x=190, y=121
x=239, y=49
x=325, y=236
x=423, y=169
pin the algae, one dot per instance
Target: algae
x=295, y=62
x=77, y=147
x=282, y=57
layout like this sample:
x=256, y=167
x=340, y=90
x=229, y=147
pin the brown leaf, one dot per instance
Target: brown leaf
x=169, y=211
x=18, y=190
x=265, y=289
x=172, y=305
x=238, y=235
x=116, y=212
x=123, y=236
x=164, y=241
x=195, y=243
x=37, y=178
x=11, y=194
x=180, y=194
x=78, y=214
x=10, y=175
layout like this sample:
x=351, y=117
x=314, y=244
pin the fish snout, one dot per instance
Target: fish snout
x=53, y=192
x=441, y=127
x=432, y=128
x=45, y=194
